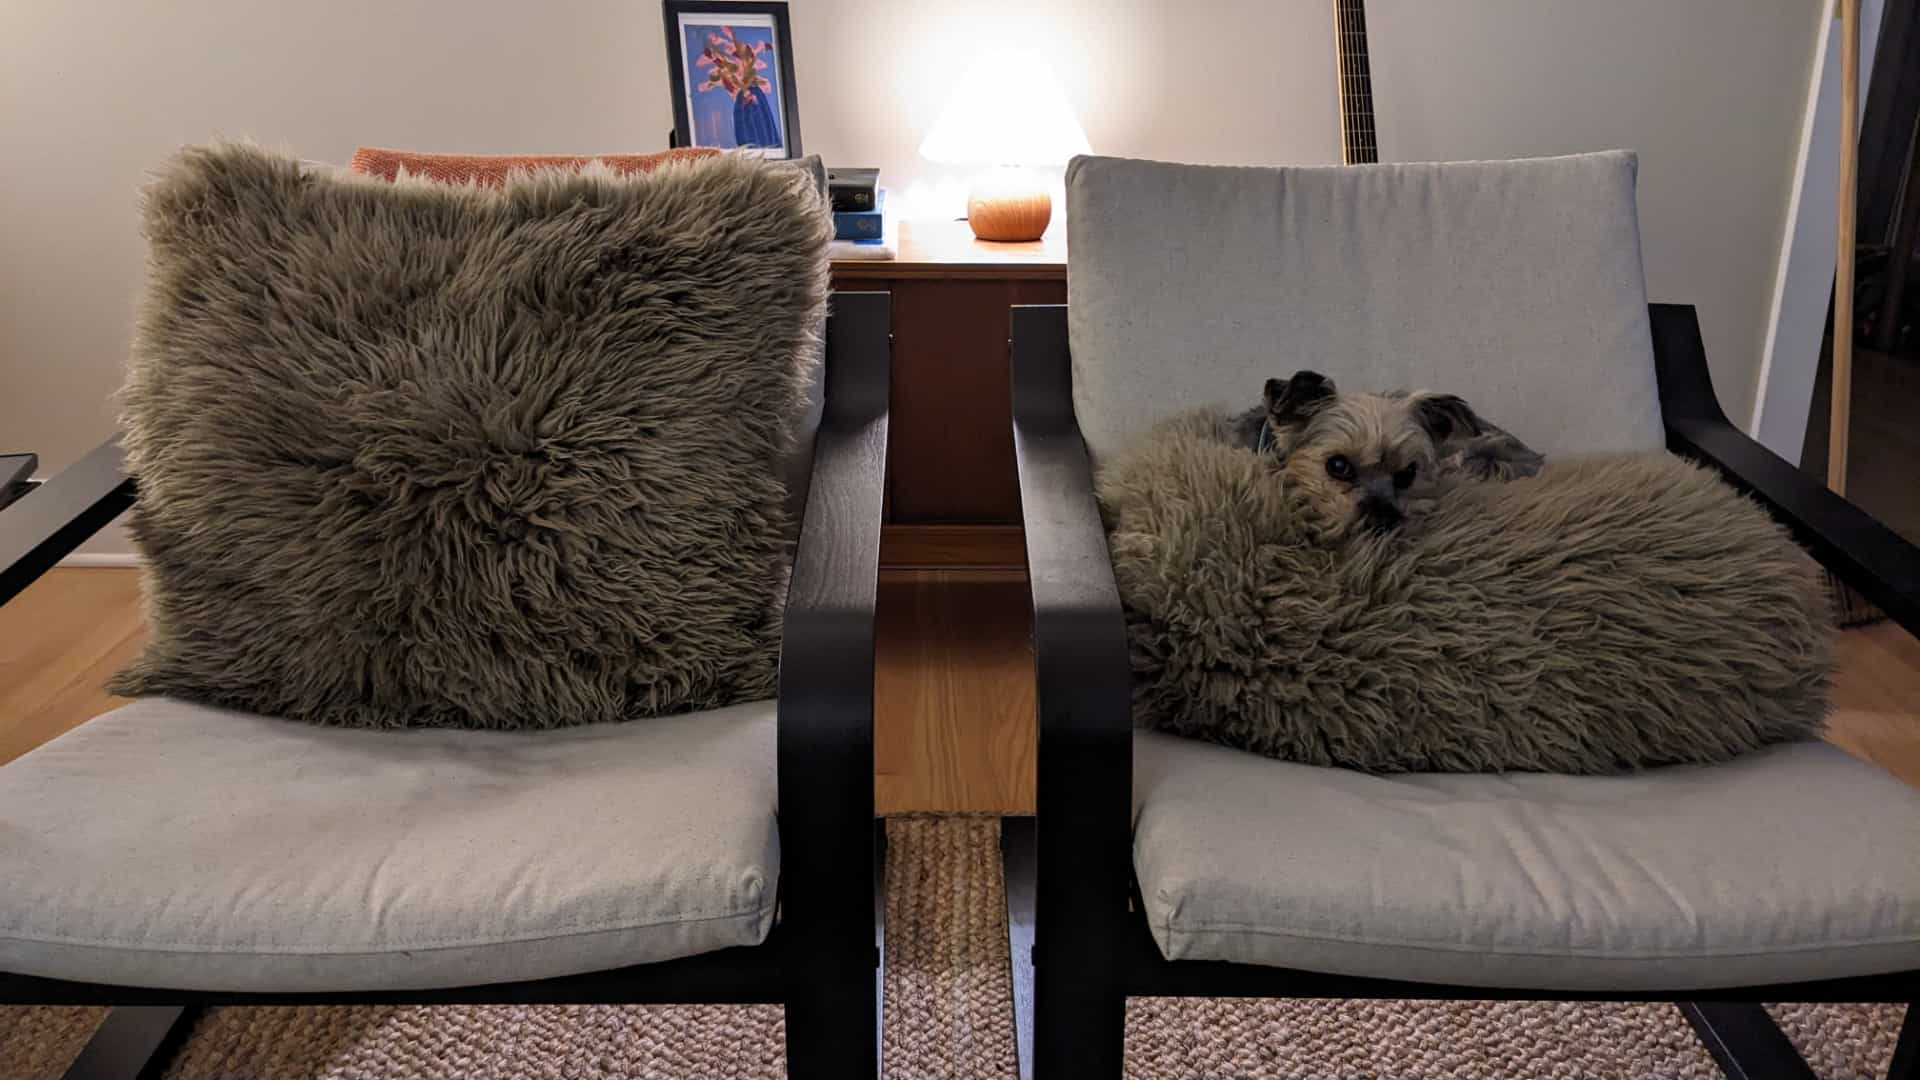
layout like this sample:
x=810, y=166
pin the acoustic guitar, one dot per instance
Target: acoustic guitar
x=1358, y=146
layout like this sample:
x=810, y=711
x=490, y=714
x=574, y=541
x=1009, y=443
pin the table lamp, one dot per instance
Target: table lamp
x=1007, y=112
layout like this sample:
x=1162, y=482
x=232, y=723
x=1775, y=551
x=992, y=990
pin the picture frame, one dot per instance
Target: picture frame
x=730, y=63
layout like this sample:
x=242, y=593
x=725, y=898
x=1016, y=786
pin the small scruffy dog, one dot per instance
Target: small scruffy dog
x=1366, y=461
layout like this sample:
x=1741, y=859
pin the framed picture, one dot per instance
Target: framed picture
x=732, y=71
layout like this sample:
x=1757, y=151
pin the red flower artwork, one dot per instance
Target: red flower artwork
x=736, y=65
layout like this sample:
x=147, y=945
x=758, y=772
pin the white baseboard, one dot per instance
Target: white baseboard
x=114, y=558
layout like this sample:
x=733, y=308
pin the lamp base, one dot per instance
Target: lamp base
x=1011, y=206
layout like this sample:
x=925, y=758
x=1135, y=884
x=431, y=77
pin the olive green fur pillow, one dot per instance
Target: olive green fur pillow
x=416, y=454
x=1607, y=614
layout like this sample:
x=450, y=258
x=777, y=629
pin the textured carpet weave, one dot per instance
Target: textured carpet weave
x=949, y=1015
x=949, y=1002
x=1483, y=1040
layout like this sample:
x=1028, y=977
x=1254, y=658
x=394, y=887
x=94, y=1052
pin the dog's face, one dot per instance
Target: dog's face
x=1353, y=459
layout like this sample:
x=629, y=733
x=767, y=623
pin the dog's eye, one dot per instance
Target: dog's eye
x=1404, y=478
x=1339, y=467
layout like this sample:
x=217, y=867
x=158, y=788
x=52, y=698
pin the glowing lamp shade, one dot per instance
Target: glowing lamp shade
x=1007, y=111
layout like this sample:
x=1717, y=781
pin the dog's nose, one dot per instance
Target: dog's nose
x=1379, y=514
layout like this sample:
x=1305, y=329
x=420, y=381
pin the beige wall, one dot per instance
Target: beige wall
x=95, y=93
x=92, y=94
x=1147, y=78
x=1710, y=92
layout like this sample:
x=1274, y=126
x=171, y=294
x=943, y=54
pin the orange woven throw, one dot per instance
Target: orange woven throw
x=492, y=170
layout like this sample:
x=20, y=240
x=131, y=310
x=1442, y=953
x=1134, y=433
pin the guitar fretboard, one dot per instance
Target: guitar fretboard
x=1358, y=144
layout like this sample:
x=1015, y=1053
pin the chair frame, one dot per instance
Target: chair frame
x=822, y=960
x=1077, y=925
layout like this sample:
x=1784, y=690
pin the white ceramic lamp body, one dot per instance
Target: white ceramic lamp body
x=1007, y=112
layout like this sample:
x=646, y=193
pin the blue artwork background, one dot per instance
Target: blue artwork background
x=712, y=110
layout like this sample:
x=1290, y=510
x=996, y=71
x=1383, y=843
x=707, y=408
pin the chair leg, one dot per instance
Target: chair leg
x=135, y=1042
x=1080, y=1028
x=1745, y=1041
x=1020, y=867
x=834, y=1005
x=1078, y=1007
x=827, y=1039
x=1906, y=1052
x=1080, y=945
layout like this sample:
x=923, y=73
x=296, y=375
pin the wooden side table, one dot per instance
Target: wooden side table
x=952, y=498
x=954, y=680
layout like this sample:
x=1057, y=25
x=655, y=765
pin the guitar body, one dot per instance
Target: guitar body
x=1358, y=145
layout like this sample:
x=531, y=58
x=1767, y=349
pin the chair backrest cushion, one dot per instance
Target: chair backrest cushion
x=415, y=454
x=1515, y=284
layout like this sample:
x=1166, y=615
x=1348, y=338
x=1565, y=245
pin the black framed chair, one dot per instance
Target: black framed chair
x=738, y=900
x=1158, y=866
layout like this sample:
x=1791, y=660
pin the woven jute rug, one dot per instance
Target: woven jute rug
x=1531, y=1040
x=949, y=1017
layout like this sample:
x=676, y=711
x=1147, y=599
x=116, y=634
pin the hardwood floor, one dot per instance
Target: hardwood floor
x=59, y=641
x=954, y=692
x=1876, y=699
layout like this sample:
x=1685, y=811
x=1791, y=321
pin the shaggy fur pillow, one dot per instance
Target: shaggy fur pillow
x=1607, y=614
x=412, y=454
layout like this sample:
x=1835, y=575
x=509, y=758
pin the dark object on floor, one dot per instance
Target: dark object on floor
x=1886, y=398
x=422, y=455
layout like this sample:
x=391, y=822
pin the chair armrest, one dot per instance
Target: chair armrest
x=1082, y=679
x=51, y=520
x=1865, y=554
x=826, y=650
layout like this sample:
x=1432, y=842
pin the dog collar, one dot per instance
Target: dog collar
x=1264, y=444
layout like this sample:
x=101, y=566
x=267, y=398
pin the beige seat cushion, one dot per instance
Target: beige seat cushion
x=172, y=845
x=1796, y=862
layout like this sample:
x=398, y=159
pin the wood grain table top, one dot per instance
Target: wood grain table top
x=948, y=249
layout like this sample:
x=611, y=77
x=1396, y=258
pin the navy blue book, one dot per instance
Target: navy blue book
x=860, y=224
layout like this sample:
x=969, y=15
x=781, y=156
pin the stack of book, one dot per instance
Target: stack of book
x=861, y=228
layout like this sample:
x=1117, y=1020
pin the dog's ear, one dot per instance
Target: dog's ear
x=1444, y=416
x=1298, y=398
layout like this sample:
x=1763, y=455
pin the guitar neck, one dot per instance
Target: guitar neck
x=1358, y=144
